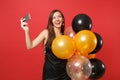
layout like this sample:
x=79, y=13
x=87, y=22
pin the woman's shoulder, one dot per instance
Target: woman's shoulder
x=45, y=34
x=45, y=31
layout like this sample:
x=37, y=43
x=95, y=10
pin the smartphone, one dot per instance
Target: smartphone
x=27, y=17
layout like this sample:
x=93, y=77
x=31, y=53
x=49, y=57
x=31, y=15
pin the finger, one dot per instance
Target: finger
x=22, y=19
x=24, y=24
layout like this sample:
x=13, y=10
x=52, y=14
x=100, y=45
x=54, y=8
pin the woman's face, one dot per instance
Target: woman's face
x=57, y=19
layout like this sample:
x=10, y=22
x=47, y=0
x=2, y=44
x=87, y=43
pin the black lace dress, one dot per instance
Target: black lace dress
x=54, y=68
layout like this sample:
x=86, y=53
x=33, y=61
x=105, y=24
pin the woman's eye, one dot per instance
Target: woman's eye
x=59, y=16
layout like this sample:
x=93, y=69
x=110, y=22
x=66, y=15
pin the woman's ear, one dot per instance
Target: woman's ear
x=63, y=22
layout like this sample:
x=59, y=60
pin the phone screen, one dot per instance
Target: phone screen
x=27, y=17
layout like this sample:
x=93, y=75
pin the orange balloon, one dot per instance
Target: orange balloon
x=91, y=56
x=85, y=41
x=63, y=47
x=78, y=53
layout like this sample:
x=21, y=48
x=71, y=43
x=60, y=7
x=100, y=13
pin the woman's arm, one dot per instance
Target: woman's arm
x=29, y=43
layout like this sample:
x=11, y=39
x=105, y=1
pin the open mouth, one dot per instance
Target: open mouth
x=57, y=23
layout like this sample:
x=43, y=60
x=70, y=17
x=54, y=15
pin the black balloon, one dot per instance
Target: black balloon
x=98, y=69
x=99, y=43
x=81, y=22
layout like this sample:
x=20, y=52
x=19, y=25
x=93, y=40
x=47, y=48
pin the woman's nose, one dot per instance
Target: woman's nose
x=57, y=18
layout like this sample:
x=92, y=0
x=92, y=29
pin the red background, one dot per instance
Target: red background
x=18, y=63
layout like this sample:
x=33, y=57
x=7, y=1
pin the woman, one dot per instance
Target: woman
x=54, y=68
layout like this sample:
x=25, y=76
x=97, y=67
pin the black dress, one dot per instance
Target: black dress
x=54, y=68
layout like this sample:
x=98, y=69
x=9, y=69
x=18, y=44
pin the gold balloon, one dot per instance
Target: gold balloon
x=85, y=41
x=91, y=56
x=63, y=47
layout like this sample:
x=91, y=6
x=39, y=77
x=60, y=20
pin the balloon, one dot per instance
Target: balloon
x=98, y=69
x=78, y=68
x=91, y=56
x=99, y=43
x=85, y=41
x=63, y=47
x=81, y=22
x=69, y=31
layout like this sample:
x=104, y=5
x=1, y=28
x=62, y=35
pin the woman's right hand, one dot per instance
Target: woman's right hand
x=24, y=25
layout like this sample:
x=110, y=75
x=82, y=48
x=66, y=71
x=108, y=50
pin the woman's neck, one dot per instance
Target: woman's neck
x=57, y=31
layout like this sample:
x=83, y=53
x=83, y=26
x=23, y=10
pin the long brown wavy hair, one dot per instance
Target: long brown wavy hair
x=50, y=27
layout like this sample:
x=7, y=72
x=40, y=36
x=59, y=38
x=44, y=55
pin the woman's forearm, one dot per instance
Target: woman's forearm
x=28, y=40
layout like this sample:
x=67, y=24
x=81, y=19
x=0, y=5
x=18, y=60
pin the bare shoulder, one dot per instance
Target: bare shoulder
x=45, y=31
x=45, y=34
